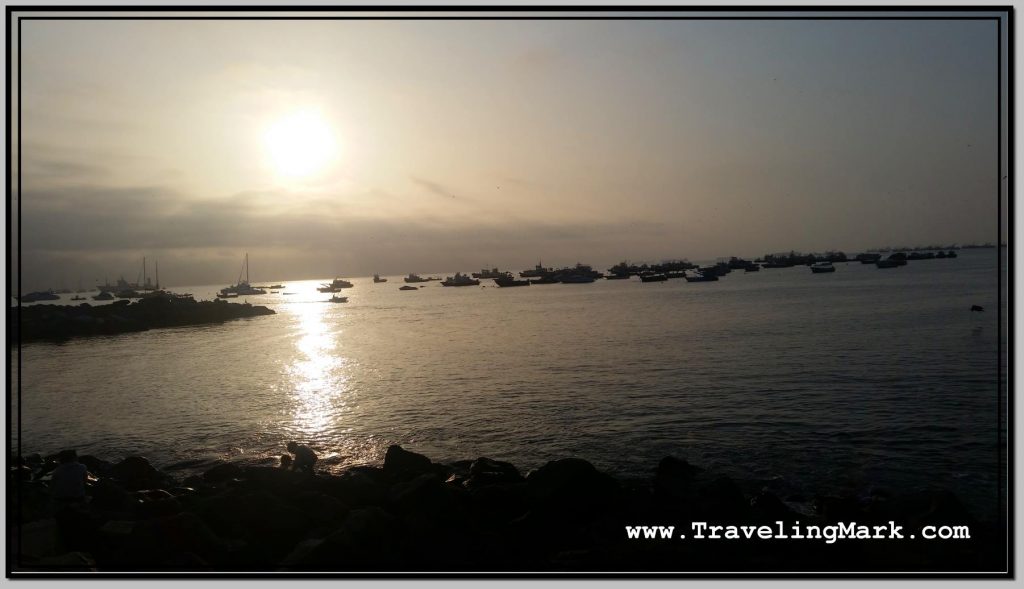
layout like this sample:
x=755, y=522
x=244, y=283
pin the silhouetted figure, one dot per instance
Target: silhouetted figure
x=286, y=461
x=977, y=308
x=305, y=458
x=67, y=487
x=68, y=482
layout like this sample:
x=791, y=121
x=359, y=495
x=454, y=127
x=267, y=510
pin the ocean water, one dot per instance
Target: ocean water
x=806, y=383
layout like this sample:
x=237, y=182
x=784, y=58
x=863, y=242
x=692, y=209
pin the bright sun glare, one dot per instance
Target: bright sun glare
x=300, y=145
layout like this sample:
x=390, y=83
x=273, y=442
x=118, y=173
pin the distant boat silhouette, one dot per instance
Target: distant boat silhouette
x=977, y=308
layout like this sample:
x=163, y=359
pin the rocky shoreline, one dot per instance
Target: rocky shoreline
x=414, y=515
x=63, y=322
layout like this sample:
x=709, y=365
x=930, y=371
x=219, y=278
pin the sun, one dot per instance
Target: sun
x=300, y=145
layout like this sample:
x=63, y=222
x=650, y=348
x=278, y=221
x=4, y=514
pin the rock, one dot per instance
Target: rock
x=485, y=471
x=223, y=472
x=155, y=503
x=401, y=465
x=837, y=509
x=108, y=496
x=767, y=507
x=135, y=472
x=300, y=554
x=39, y=538
x=368, y=539
x=171, y=539
x=721, y=500
x=358, y=487
x=496, y=505
x=268, y=523
x=67, y=562
x=96, y=466
x=571, y=488
x=324, y=509
x=673, y=479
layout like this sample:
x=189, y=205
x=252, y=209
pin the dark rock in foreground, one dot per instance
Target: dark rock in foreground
x=413, y=514
x=62, y=322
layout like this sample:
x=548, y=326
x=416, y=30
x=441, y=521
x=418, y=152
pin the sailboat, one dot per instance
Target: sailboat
x=243, y=287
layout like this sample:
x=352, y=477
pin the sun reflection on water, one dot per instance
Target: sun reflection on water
x=318, y=379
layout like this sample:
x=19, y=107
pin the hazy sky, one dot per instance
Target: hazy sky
x=345, y=148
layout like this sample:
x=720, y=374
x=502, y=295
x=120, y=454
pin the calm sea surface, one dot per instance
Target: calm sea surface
x=848, y=381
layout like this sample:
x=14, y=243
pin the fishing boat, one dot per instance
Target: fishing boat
x=243, y=287
x=699, y=277
x=538, y=271
x=337, y=299
x=822, y=267
x=42, y=295
x=335, y=286
x=493, y=273
x=103, y=296
x=377, y=278
x=407, y=287
x=415, y=278
x=460, y=280
x=508, y=280
x=653, y=277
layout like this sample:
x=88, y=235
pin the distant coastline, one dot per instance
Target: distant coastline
x=62, y=322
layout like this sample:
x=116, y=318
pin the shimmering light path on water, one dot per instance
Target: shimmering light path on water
x=846, y=381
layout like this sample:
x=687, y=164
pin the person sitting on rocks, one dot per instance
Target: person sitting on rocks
x=75, y=526
x=68, y=481
x=305, y=458
x=286, y=461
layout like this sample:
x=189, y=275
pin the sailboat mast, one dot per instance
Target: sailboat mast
x=247, y=267
x=157, y=262
x=145, y=281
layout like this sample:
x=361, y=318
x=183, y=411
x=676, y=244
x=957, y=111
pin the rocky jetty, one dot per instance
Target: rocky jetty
x=62, y=322
x=483, y=515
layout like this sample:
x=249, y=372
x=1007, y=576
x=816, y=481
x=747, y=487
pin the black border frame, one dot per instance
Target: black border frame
x=1004, y=14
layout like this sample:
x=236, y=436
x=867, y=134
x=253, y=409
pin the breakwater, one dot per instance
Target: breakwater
x=62, y=322
x=413, y=514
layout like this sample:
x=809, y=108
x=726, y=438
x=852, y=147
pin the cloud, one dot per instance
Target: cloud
x=435, y=187
x=97, y=231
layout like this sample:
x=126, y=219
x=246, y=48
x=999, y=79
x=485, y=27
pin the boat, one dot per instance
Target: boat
x=377, y=278
x=407, y=287
x=77, y=298
x=129, y=294
x=951, y=254
x=653, y=277
x=752, y=267
x=507, y=279
x=335, y=286
x=698, y=277
x=576, y=279
x=822, y=267
x=337, y=299
x=578, y=274
x=415, y=278
x=103, y=296
x=460, y=280
x=227, y=295
x=619, y=271
x=868, y=258
x=493, y=273
x=42, y=295
x=242, y=287
x=548, y=279
x=887, y=264
x=899, y=257
x=538, y=271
